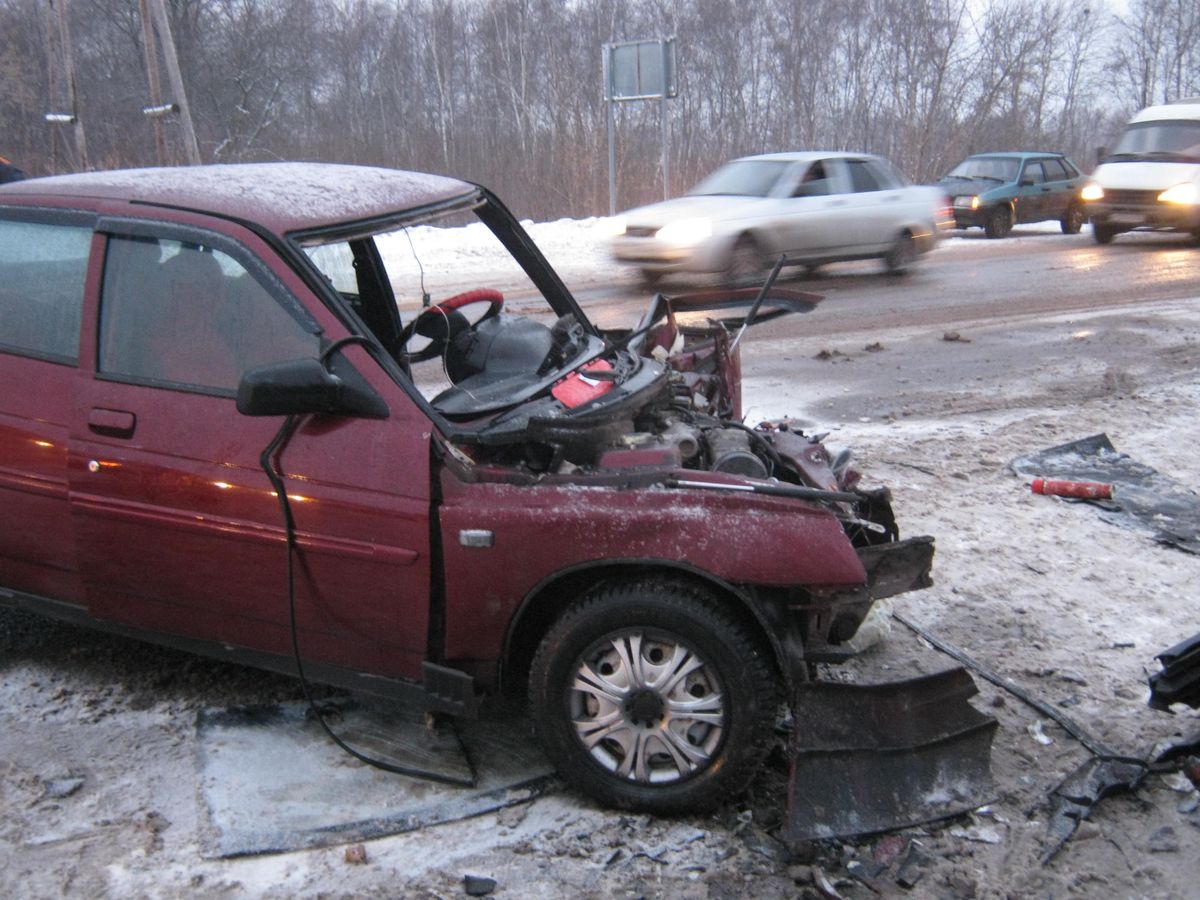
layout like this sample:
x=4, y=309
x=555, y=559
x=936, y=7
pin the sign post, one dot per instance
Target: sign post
x=638, y=70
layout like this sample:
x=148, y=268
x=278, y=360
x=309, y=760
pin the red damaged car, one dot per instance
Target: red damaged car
x=266, y=412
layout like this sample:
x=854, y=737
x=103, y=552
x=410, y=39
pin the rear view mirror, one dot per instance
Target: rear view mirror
x=304, y=386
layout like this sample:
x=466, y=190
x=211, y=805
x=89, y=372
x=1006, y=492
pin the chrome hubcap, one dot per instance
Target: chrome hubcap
x=647, y=708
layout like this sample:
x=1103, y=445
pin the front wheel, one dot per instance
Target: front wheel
x=999, y=222
x=746, y=265
x=1103, y=234
x=650, y=696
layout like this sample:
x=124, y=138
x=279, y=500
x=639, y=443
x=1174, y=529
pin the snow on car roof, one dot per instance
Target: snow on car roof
x=284, y=196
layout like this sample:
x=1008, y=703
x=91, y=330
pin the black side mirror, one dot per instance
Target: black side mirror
x=300, y=386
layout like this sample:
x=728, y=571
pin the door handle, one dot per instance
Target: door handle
x=112, y=422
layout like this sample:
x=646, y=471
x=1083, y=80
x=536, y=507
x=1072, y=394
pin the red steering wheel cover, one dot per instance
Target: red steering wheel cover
x=478, y=295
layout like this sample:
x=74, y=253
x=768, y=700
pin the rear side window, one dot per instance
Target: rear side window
x=42, y=270
x=190, y=316
x=1056, y=170
x=863, y=177
x=1033, y=173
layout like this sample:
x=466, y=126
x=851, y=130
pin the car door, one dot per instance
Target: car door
x=1032, y=193
x=43, y=266
x=178, y=527
x=876, y=206
x=812, y=211
x=1059, y=188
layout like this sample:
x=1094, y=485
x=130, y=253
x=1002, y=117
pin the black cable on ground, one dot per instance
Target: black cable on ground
x=1094, y=746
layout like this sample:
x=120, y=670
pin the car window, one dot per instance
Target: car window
x=743, y=178
x=816, y=182
x=42, y=271
x=1000, y=169
x=1033, y=173
x=862, y=177
x=1055, y=170
x=189, y=316
x=1180, y=138
x=886, y=174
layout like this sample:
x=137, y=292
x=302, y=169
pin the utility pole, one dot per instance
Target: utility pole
x=58, y=44
x=163, y=26
x=160, y=137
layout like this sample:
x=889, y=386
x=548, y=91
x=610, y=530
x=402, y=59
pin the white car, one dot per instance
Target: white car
x=810, y=207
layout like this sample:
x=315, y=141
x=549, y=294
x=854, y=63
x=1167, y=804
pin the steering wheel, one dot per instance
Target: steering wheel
x=441, y=322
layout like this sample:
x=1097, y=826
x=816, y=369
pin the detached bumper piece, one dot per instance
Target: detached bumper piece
x=870, y=758
x=1179, y=679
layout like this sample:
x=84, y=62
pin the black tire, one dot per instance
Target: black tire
x=999, y=222
x=747, y=265
x=1103, y=234
x=650, y=277
x=1073, y=220
x=679, y=750
x=902, y=256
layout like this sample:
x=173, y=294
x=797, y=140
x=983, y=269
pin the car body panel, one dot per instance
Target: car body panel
x=1028, y=183
x=1158, y=151
x=834, y=222
x=134, y=491
x=733, y=538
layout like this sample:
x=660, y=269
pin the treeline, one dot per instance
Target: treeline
x=509, y=93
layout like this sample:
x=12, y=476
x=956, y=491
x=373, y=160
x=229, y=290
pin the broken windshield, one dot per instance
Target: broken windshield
x=470, y=346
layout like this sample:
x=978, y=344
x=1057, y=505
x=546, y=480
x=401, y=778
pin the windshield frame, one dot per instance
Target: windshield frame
x=487, y=209
x=1144, y=140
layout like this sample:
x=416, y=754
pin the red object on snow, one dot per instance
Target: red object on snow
x=1087, y=490
x=577, y=388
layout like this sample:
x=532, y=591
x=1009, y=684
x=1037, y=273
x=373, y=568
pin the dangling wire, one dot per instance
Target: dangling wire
x=276, y=477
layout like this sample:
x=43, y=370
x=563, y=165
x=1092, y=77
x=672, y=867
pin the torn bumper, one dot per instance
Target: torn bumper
x=869, y=758
x=833, y=616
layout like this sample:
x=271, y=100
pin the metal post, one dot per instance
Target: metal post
x=662, y=111
x=612, y=146
x=612, y=160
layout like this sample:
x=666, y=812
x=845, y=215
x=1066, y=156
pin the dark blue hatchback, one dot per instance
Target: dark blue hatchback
x=995, y=191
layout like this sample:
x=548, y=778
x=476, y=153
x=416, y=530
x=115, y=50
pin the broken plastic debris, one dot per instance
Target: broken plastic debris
x=1035, y=731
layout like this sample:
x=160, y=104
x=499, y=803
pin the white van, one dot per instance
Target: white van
x=1151, y=180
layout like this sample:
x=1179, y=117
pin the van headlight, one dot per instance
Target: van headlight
x=1090, y=192
x=1187, y=194
x=685, y=232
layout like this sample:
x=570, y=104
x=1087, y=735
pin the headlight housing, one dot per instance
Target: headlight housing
x=685, y=232
x=1091, y=192
x=1187, y=193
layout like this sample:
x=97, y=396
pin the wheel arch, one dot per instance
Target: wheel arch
x=756, y=236
x=542, y=606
